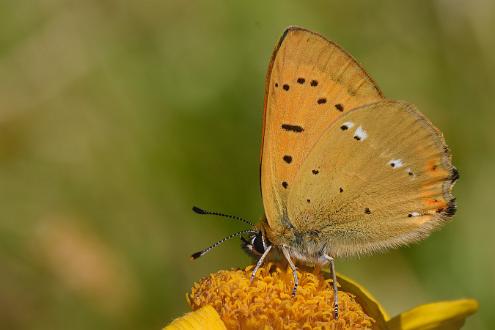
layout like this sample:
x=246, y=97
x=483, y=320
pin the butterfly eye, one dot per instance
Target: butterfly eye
x=258, y=243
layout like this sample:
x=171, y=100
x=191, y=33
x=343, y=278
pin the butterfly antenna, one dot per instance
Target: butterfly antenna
x=208, y=249
x=201, y=211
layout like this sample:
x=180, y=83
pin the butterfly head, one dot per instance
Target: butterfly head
x=255, y=244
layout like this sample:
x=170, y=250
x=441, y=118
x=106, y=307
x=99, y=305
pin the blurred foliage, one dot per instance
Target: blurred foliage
x=117, y=116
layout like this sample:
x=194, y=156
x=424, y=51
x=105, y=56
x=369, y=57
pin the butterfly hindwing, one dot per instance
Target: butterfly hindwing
x=379, y=176
x=311, y=82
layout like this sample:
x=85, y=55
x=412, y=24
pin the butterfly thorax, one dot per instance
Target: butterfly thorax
x=306, y=246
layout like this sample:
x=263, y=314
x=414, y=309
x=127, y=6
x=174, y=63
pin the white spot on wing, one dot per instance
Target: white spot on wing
x=396, y=163
x=360, y=133
x=415, y=214
x=349, y=124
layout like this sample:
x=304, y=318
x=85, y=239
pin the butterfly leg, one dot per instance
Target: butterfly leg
x=260, y=262
x=335, y=288
x=294, y=269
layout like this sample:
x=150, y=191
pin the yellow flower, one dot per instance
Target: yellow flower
x=227, y=300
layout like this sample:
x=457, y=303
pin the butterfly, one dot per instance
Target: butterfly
x=344, y=171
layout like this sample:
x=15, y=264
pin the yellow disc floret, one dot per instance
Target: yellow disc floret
x=267, y=302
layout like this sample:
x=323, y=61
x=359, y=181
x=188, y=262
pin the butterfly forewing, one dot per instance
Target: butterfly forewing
x=311, y=82
x=379, y=176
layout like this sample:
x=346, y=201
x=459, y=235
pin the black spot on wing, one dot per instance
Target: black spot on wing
x=314, y=83
x=367, y=210
x=454, y=175
x=322, y=100
x=339, y=107
x=287, y=159
x=451, y=208
x=285, y=87
x=301, y=80
x=285, y=184
x=341, y=190
x=293, y=128
x=315, y=172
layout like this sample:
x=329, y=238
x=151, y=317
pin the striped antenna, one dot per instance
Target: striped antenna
x=208, y=249
x=201, y=211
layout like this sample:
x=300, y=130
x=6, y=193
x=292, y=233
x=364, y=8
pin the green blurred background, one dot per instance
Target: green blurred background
x=117, y=116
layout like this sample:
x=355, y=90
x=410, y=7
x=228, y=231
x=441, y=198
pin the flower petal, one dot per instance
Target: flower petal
x=369, y=303
x=439, y=315
x=203, y=318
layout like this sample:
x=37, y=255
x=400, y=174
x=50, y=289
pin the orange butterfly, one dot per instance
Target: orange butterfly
x=344, y=171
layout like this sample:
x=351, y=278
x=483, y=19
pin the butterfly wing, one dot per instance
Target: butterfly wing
x=379, y=177
x=310, y=83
